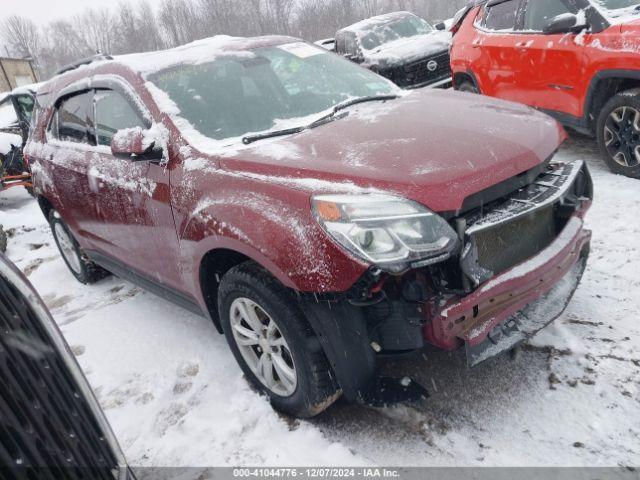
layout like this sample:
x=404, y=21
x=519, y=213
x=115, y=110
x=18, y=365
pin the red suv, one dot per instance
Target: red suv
x=320, y=216
x=574, y=59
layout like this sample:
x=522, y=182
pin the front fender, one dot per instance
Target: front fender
x=277, y=232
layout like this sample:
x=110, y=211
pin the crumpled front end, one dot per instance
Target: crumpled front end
x=522, y=260
x=524, y=249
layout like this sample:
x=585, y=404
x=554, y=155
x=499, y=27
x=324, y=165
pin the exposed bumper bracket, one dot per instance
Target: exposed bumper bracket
x=530, y=320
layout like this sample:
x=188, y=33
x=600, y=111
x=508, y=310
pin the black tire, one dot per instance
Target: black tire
x=468, y=86
x=315, y=389
x=84, y=270
x=626, y=139
x=3, y=240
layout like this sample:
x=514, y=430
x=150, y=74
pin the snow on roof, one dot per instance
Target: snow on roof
x=198, y=52
x=27, y=89
x=367, y=24
x=194, y=53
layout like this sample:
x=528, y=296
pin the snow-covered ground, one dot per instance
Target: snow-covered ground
x=175, y=397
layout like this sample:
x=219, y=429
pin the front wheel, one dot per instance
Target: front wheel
x=619, y=133
x=468, y=86
x=77, y=261
x=273, y=343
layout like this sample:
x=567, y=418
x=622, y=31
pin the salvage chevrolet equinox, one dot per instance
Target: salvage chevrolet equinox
x=320, y=216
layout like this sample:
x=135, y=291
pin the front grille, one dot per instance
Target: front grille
x=418, y=73
x=506, y=245
x=515, y=228
x=45, y=421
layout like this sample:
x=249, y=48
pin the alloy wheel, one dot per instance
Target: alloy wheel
x=67, y=248
x=622, y=136
x=263, y=347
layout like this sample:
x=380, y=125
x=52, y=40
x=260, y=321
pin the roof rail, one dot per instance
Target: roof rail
x=84, y=61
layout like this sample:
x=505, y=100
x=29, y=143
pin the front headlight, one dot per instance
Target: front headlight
x=390, y=232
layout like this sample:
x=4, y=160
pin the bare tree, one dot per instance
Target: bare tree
x=21, y=35
x=97, y=29
x=180, y=21
x=137, y=28
x=62, y=45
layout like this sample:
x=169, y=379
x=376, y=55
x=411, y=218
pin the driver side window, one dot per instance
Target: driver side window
x=351, y=46
x=346, y=44
x=113, y=113
x=539, y=13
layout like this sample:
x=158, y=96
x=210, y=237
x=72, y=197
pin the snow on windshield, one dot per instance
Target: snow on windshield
x=377, y=31
x=216, y=103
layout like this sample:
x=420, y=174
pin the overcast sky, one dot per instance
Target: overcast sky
x=42, y=11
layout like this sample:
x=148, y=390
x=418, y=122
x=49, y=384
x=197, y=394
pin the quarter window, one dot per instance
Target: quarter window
x=502, y=16
x=74, y=121
x=540, y=12
x=113, y=113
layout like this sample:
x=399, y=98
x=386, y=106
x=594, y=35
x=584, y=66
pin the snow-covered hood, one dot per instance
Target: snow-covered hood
x=8, y=139
x=405, y=50
x=434, y=146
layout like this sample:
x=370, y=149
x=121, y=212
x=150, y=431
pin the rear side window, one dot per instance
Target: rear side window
x=74, y=122
x=113, y=113
x=540, y=12
x=502, y=16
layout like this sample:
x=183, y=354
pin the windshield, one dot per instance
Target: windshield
x=269, y=88
x=406, y=27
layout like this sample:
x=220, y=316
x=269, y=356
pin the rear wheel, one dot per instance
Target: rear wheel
x=273, y=342
x=619, y=133
x=77, y=261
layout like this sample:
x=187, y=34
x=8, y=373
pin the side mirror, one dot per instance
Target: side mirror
x=440, y=26
x=564, y=23
x=354, y=58
x=137, y=145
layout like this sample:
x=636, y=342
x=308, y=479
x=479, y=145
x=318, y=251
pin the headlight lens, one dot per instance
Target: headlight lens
x=390, y=232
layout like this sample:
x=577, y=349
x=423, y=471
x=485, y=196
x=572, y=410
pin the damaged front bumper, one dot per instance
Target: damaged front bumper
x=528, y=321
x=509, y=307
x=404, y=313
x=548, y=279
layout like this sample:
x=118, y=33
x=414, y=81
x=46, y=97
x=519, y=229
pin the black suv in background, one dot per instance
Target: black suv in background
x=401, y=47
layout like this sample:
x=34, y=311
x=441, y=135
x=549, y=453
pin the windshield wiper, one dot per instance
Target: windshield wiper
x=276, y=133
x=340, y=106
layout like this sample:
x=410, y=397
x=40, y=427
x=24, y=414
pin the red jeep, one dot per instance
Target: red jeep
x=320, y=216
x=577, y=60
